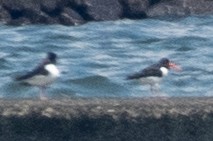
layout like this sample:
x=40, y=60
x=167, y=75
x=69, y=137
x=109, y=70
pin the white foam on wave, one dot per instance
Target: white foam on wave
x=3, y=55
x=13, y=34
x=169, y=30
x=80, y=44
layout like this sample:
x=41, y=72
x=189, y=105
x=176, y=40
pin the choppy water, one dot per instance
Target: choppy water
x=95, y=58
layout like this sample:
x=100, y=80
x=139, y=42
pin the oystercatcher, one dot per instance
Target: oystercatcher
x=153, y=74
x=43, y=75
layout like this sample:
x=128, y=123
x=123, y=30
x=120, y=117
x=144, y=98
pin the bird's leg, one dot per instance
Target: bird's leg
x=155, y=89
x=156, y=92
x=42, y=93
x=152, y=90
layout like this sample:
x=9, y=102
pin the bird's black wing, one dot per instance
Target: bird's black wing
x=37, y=71
x=150, y=71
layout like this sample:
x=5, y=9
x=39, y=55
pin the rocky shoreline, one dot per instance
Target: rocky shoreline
x=185, y=119
x=75, y=12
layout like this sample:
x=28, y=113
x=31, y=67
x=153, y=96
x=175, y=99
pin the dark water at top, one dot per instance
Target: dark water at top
x=95, y=58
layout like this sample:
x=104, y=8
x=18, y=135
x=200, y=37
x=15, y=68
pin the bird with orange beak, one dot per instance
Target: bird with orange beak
x=153, y=74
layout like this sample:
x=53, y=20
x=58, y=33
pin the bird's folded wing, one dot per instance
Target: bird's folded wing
x=146, y=73
x=36, y=71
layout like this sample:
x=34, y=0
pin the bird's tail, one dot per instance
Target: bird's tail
x=134, y=76
x=130, y=77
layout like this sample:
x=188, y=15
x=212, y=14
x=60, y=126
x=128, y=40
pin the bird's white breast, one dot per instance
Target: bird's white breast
x=164, y=71
x=53, y=70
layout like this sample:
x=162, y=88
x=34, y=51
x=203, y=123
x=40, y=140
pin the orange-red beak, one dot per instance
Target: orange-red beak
x=174, y=66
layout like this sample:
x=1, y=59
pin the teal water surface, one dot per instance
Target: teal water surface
x=95, y=58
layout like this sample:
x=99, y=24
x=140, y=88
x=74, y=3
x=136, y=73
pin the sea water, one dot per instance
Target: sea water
x=95, y=58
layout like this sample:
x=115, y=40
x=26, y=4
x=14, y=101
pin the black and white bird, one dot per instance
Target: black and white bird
x=153, y=74
x=43, y=75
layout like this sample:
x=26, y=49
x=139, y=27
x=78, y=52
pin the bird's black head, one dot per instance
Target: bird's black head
x=164, y=62
x=51, y=57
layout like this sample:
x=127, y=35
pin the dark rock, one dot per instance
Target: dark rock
x=134, y=9
x=152, y=2
x=180, y=8
x=199, y=7
x=37, y=17
x=100, y=10
x=21, y=5
x=167, y=8
x=71, y=17
x=19, y=21
x=21, y=11
x=72, y=12
x=51, y=7
x=4, y=15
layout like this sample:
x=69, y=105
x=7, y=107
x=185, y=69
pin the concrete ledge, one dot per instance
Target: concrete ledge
x=148, y=119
